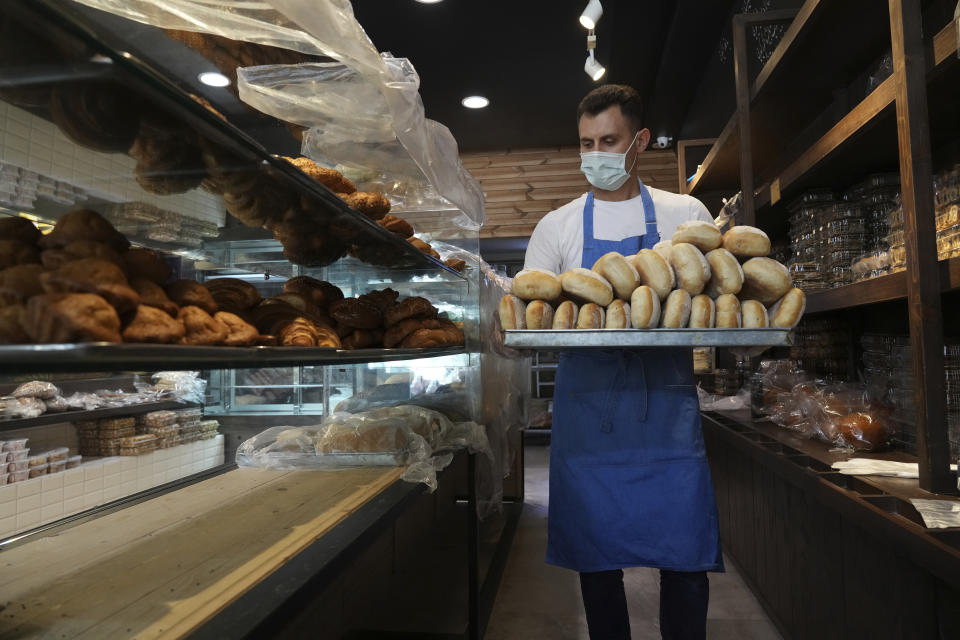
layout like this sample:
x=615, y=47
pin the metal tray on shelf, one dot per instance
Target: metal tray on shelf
x=639, y=338
x=106, y=356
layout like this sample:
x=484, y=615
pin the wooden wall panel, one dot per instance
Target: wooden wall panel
x=523, y=185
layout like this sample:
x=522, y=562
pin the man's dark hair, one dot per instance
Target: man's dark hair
x=608, y=95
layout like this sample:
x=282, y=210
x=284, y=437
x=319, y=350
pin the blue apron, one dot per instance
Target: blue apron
x=629, y=481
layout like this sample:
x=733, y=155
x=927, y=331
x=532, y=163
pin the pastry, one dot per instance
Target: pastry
x=299, y=333
x=168, y=157
x=395, y=334
x=303, y=305
x=330, y=178
x=456, y=264
x=83, y=224
x=407, y=308
x=644, y=308
x=55, y=258
x=103, y=116
x=423, y=246
x=788, y=310
x=93, y=275
x=19, y=230
x=20, y=282
x=226, y=171
x=513, y=313
x=864, y=431
x=591, y=316
x=566, y=315
x=363, y=339
x=539, y=315
x=70, y=317
x=726, y=275
x=396, y=225
x=201, y=327
x=11, y=331
x=342, y=330
x=372, y=205
x=153, y=295
x=654, y=271
x=13, y=252
x=703, y=312
x=447, y=336
x=744, y=241
x=188, y=293
x=154, y=326
x=753, y=315
x=266, y=341
x=619, y=273
x=585, y=285
x=36, y=389
x=728, y=312
x=269, y=319
x=765, y=279
x=691, y=268
x=319, y=292
x=617, y=315
x=355, y=313
x=676, y=310
x=147, y=264
x=701, y=234
x=536, y=284
x=240, y=332
x=233, y=294
x=383, y=299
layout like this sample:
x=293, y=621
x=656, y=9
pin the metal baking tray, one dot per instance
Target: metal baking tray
x=638, y=338
x=107, y=356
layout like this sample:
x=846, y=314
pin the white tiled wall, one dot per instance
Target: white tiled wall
x=31, y=503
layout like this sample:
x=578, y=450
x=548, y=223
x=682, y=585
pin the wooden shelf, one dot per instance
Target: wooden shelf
x=785, y=91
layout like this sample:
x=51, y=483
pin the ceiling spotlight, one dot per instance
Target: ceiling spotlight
x=214, y=79
x=591, y=15
x=428, y=1
x=593, y=68
x=475, y=102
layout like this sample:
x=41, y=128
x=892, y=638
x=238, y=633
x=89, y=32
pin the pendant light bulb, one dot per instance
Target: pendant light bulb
x=591, y=14
x=593, y=68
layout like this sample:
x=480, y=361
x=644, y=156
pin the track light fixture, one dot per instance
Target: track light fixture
x=593, y=68
x=591, y=14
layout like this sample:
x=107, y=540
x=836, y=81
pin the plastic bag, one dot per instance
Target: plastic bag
x=183, y=386
x=710, y=402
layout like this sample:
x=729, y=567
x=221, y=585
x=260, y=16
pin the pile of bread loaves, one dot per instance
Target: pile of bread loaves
x=701, y=279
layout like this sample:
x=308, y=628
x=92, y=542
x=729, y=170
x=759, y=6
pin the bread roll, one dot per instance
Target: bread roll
x=691, y=268
x=701, y=234
x=676, y=311
x=788, y=310
x=754, y=315
x=644, y=308
x=586, y=286
x=539, y=315
x=619, y=273
x=591, y=316
x=726, y=275
x=618, y=315
x=665, y=249
x=703, y=313
x=512, y=313
x=764, y=279
x=748, y=242
x=728, y=312
x=536, y=284
x=565, y=317
x=655, y=272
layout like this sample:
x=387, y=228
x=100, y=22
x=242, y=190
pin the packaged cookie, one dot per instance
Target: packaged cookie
x=15, y=445
x=138, y=445
x=128, y=422
x=73, y=462
x=19, y=476
x=18, y=465
x=37, y=460
x=3, y=478
x=4, y=457
x=208, y=425
x=57, y=467
x=159, y=418
x=37, y=471
x=110, y=447
x=19, y=455
x=186, y=415
x=58, y=454
x=122, y=432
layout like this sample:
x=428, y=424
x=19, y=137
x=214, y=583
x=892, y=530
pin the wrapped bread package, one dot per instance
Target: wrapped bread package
x=536, y=284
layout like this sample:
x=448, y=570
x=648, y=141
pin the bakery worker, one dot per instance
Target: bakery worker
x=629, y=481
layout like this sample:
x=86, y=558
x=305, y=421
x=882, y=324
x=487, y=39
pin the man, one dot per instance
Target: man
x=629, y=481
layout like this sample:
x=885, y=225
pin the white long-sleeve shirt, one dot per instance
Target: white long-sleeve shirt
x=557, y=241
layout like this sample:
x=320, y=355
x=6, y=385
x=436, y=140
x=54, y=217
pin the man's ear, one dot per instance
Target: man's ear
x=643, y=139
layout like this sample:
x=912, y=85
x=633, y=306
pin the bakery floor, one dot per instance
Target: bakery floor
x=536, y=600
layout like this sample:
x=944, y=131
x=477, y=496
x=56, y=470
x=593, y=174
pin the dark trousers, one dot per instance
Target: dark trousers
x=683, y=605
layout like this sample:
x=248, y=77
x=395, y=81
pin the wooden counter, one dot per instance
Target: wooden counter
x=165, y=567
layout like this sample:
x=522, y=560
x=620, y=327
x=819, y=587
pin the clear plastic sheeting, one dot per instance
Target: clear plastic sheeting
x=391, y=436
x=326, y=28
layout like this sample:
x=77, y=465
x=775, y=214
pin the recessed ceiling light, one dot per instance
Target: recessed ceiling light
x=428, y=1
x=475, y=102
x=214, y=79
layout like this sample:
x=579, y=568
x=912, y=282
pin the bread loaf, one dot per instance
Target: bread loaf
x=539, y=315
x=618, y=315
x=748, y=242
x=726, y=275
x=788, y=310
x=703, y=312
x=676, y=311
x=665, y=249
x=619, y=273
x=754, y=315
x=536, y=284
x=586, y=286
x=701, y=234
x=566, y=315
x=764, y=279
x=644, y=308
x=591, y=316
x=654, y=272
x=728, y=312
x=513, y=313
x=691, y=268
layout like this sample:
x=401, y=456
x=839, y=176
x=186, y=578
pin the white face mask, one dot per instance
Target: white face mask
x=606, y=170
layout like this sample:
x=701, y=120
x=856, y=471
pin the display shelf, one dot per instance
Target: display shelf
x=105, y=356
x=93, y=414
x=785, y=92
x=640, y=338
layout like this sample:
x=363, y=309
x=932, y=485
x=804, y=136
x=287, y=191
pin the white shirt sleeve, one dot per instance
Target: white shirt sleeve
x=698, y=211
x=543, y=250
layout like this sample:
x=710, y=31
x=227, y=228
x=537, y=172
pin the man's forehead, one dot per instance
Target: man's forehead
x=608, y=121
